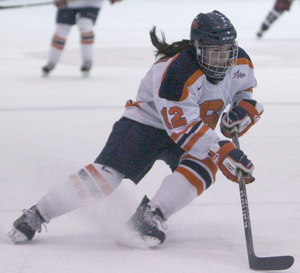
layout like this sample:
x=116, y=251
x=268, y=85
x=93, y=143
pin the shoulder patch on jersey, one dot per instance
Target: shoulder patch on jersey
x=177, y=75
x=243, y=58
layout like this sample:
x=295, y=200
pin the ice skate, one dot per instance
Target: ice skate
x=259, y=34
x=85, y=68
x=146, y=223
x=262, y=30
x=24, y=227
x=47, y=68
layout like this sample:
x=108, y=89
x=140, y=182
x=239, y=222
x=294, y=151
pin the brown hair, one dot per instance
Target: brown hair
x=164, y=49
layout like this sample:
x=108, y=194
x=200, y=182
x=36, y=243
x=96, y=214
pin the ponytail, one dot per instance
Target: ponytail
x=163, y=48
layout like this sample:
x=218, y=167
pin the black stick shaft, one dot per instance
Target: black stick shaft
x=245, y=206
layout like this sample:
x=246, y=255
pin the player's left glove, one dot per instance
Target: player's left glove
x=242, y=116
x=229, y=159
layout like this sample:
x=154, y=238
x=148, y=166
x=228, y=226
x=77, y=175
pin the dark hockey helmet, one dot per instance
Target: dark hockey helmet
x=214, y=39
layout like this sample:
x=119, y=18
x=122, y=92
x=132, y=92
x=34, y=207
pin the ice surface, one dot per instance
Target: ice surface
x=51, y=127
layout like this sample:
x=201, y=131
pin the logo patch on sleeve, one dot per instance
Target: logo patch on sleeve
x=239, y=75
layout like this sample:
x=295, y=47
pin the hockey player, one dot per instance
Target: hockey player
x=177, y=107
x=278, y=9
x=84, y=14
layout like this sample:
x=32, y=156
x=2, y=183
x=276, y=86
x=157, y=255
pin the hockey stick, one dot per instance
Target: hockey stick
x=26, y=5
x=32, y=4
x=256, y=263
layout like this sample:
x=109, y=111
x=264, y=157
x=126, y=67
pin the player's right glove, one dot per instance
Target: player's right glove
x=60, y=3
x=242, y=116
x=229, y=159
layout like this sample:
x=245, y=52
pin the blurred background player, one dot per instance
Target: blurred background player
x=279, y=7
x=70, y=12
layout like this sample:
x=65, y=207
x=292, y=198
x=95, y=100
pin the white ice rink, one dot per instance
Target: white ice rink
x=51, y=127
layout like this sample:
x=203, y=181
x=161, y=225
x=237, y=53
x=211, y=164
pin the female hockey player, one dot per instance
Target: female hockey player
x=84, y=14
x=177, y=107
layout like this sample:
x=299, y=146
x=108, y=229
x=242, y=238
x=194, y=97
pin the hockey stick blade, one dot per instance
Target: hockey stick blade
x=271, y=263
x=256, y=263
x=259, y=263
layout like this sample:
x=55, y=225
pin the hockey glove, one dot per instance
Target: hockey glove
x=60, y=3
x=229, y=159
x=242, y=116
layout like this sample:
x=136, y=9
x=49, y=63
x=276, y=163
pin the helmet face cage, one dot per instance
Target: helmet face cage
x=215, y=60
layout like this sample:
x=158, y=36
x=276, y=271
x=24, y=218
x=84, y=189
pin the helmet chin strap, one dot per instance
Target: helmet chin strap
x=216, y=60
x=213, y=80
x=198, y=50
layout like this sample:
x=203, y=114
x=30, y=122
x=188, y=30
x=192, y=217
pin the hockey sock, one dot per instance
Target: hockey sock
x=175, y=193
x=58, y=42
x=272, y=16
x=93, y=182
x=87, y=38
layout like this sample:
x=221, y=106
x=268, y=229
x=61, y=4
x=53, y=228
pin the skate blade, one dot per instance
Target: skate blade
x=151, y=242
x=133, y=239
x=85, y=74
x=16, y=236
x=45, y=74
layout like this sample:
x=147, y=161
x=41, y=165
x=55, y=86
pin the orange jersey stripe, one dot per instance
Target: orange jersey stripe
x=249, y=90
x=246, y=90
x=163, y=60
x=213, y=168
x=195, y=138
x=131, y=103
x=241, y=61
x=190, y=82
x=175, y=136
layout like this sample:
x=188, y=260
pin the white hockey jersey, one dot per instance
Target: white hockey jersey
x=176, y=96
